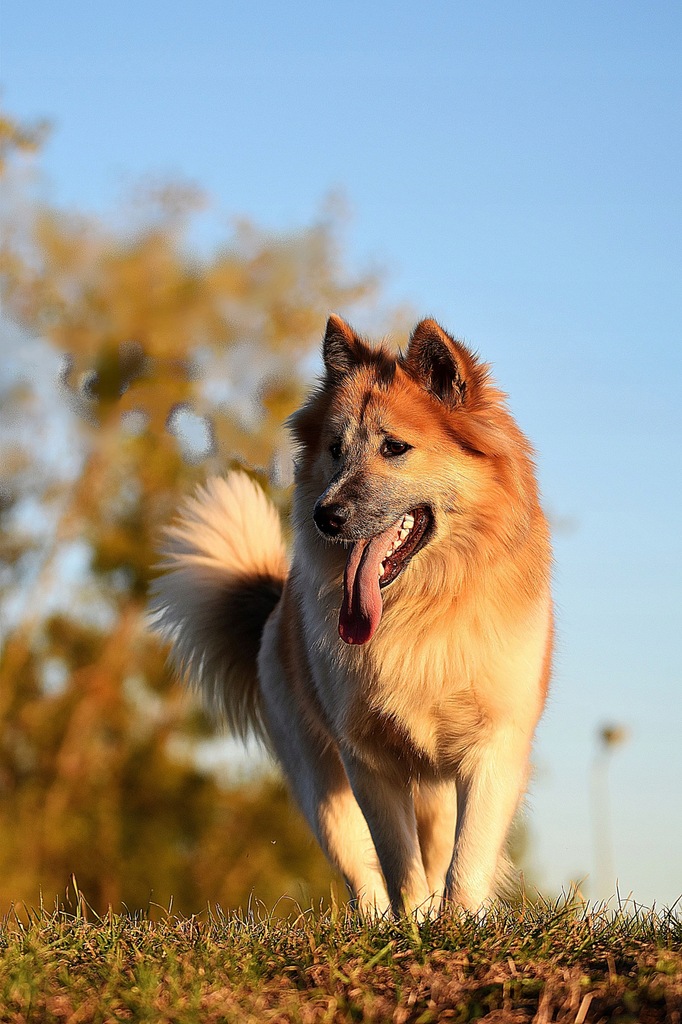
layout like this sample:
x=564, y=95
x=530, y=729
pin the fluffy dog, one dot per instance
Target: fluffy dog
x=398, y=666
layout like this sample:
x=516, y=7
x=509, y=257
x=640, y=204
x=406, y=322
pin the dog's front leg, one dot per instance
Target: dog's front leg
x=388, y=808
x=317, y=777
x=320, y=785
x=488, y=792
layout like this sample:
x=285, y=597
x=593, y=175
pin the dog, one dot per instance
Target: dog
x=398, y=667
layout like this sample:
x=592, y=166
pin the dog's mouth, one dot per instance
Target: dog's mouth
x=372, y=564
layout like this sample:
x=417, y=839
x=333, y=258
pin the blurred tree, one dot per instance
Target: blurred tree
x=172, y=366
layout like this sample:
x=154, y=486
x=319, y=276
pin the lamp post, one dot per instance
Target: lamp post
x=608, y=738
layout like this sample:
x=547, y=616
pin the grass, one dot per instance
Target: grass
x=561, y=961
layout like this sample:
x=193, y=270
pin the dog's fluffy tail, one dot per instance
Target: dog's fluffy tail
x=225, y=569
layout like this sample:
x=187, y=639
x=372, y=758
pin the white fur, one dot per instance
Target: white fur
x=225, y=536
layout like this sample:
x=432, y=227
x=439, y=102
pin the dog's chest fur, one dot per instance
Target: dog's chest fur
x=433, y=682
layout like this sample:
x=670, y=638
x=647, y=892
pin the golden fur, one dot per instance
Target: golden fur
x=407, y=747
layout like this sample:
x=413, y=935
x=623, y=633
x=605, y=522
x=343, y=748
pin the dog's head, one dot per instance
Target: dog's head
x=397, y=453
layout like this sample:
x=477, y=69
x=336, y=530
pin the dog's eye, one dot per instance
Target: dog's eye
x=335, y=450
x=389, y=448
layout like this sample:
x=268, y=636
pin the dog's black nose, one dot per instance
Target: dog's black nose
x=331, y=519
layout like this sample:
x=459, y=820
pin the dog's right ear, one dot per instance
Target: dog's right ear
x=342, y=350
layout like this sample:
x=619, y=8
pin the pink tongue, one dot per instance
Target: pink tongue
x=362, y=603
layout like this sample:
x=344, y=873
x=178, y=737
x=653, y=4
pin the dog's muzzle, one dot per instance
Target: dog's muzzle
x=331, y=518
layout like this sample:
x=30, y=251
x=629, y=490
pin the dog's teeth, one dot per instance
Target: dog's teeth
x=408, y=522
x=389, y=552
x=381, y=569
x=403, y=533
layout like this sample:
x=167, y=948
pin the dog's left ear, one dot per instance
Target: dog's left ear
x=438, y=363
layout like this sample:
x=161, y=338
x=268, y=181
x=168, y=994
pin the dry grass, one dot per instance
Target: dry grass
x=560, y=961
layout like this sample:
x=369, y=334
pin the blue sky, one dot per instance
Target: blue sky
x=515, y=167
